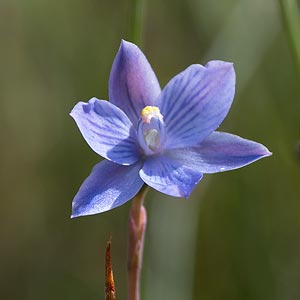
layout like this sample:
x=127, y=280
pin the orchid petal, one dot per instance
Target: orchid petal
x=220, y=152
x=132, y=83
x=196, y=101
x=169, y=176
x=107, y=130
x=108, y=186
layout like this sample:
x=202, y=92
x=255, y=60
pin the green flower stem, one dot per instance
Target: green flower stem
x=138, y=10
x=291, y=16
x=137, y=228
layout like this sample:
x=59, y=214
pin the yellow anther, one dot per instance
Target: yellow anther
x=150, y=112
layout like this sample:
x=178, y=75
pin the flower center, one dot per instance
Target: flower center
x=150, y=112
x=151, y=130
x=152, y=138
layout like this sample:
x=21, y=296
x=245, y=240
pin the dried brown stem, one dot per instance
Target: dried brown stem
x=109, y=276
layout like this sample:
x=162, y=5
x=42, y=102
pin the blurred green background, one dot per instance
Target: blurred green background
x=237, y=237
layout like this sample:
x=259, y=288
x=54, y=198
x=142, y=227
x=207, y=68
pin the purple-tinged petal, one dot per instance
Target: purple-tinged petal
x=132, y=83
x=170, y=176
x=196, y=101
x=108, y=186
x=107, y=130
x=220, y=152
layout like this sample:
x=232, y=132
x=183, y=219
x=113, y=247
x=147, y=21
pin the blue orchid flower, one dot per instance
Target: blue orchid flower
x=166, y=138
